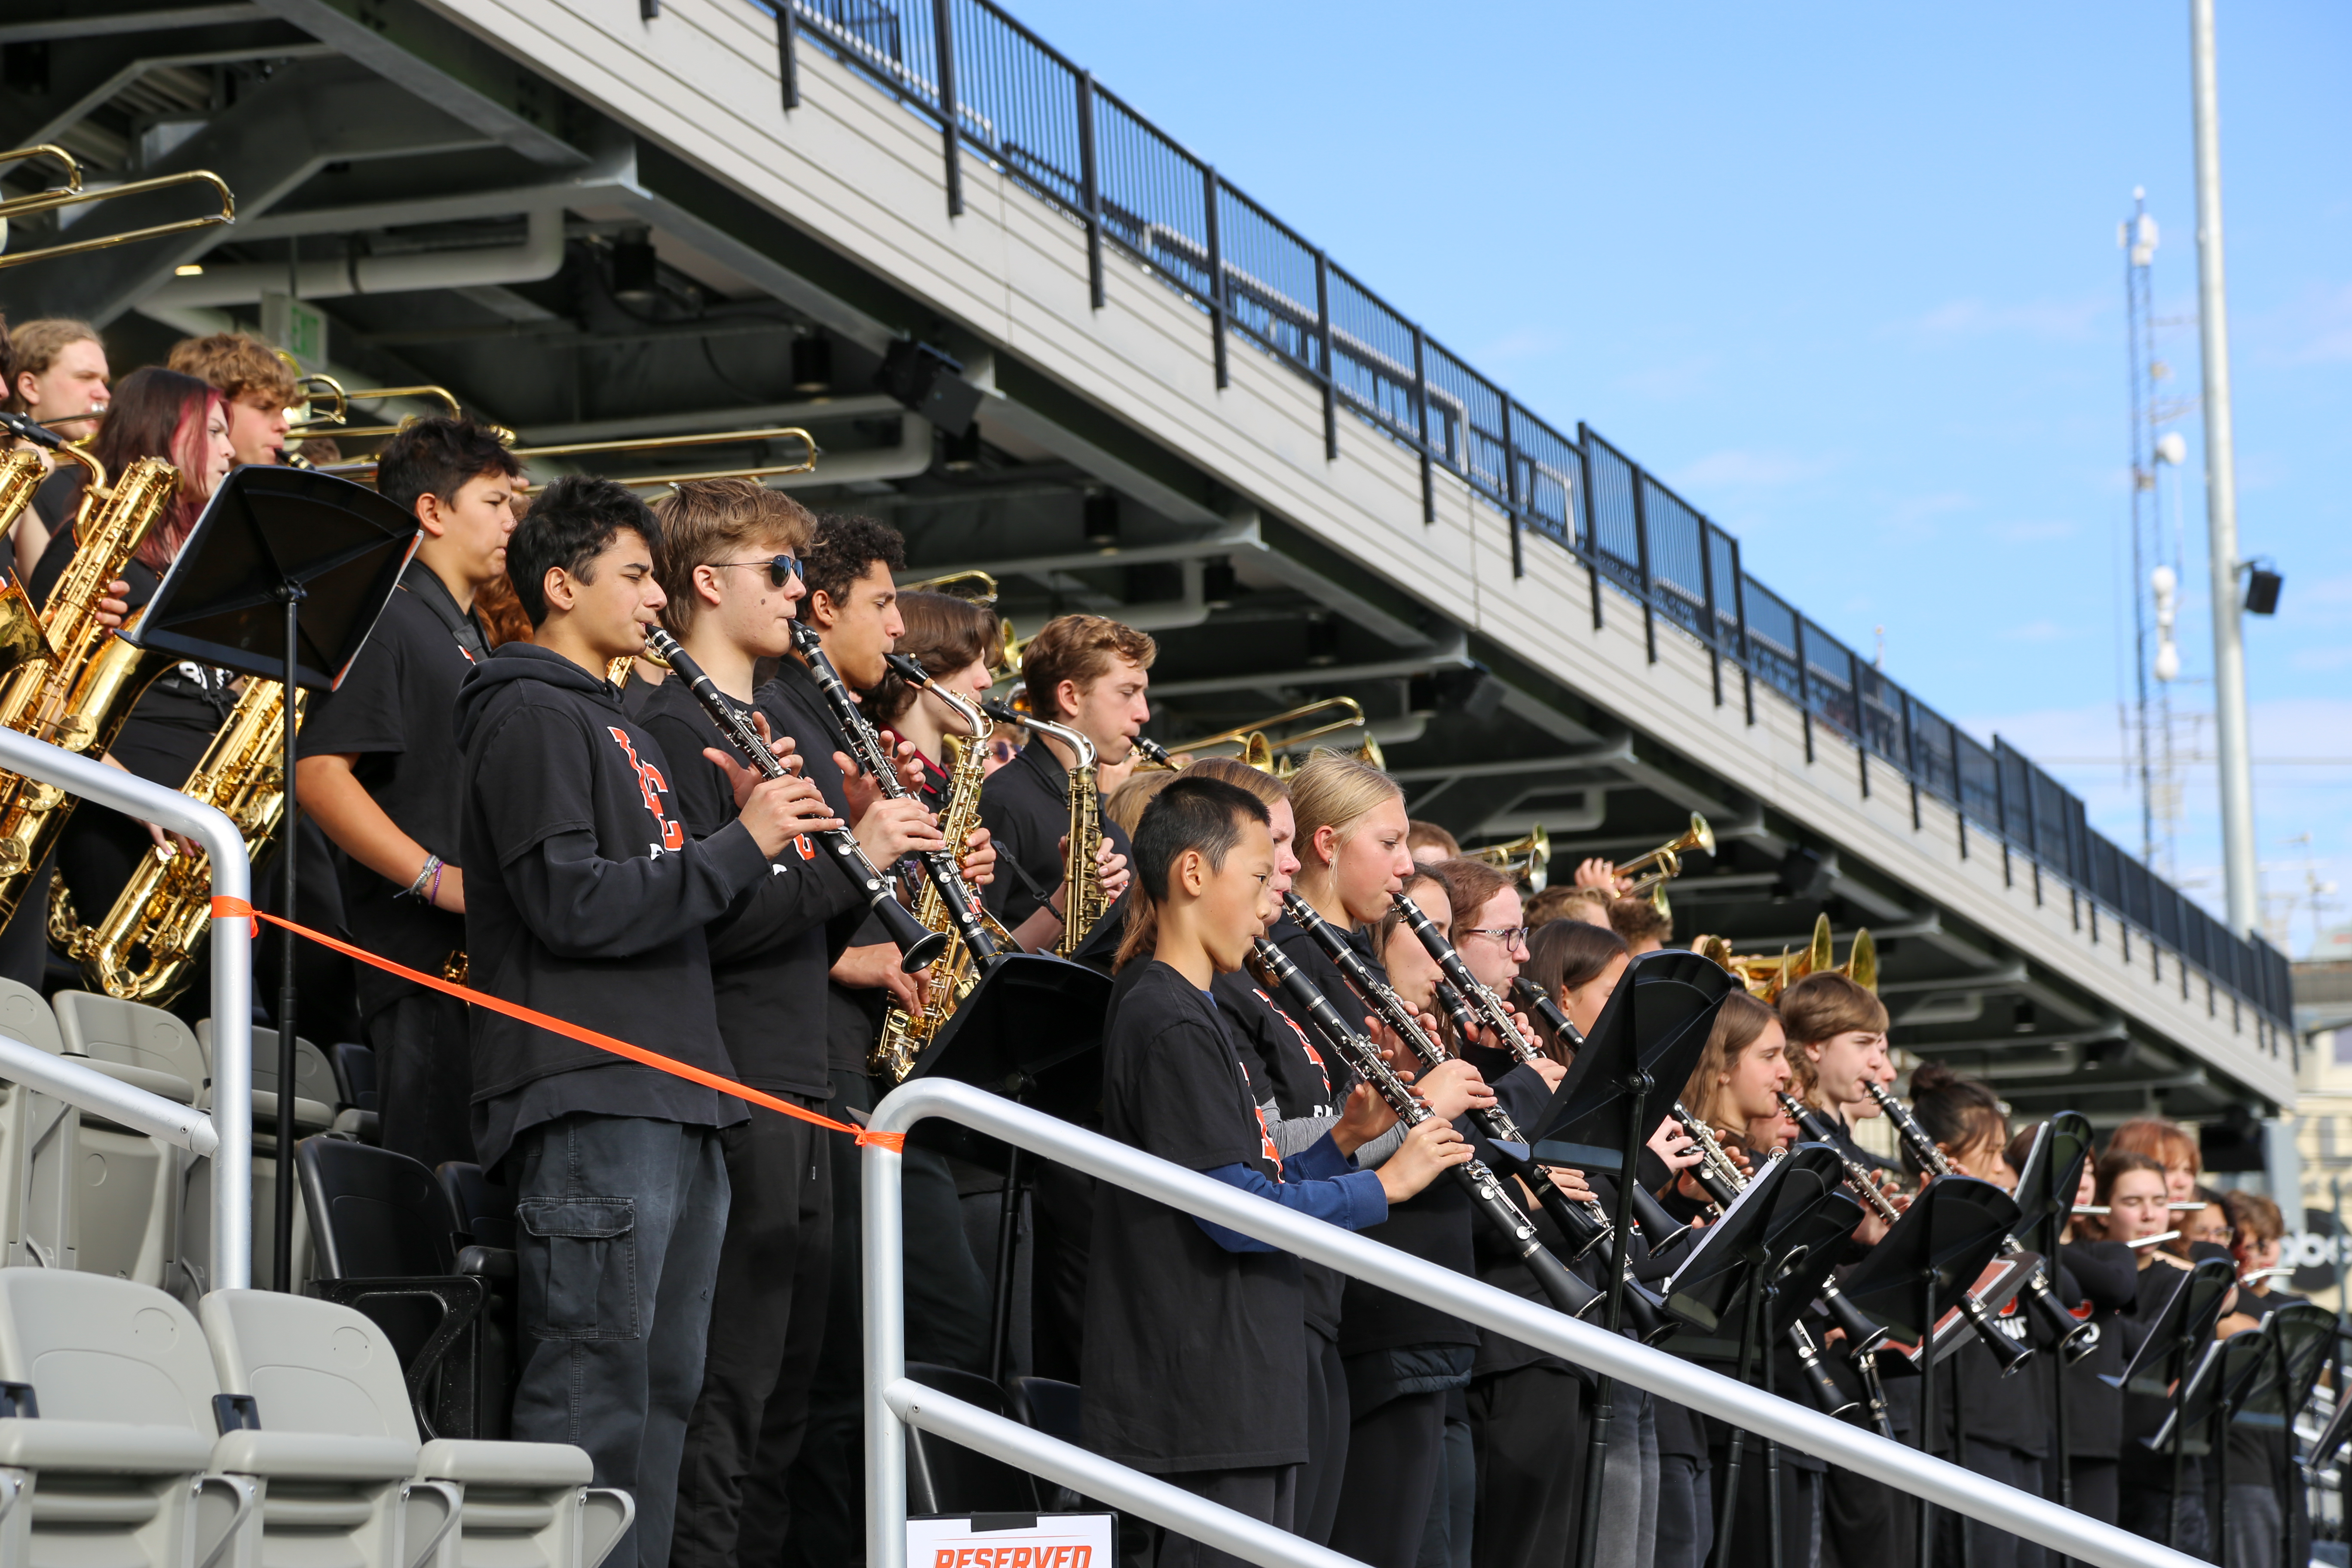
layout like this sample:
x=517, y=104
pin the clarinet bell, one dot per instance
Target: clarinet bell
x=1861, y=1335
x=2008, y=1354
x=2074, y=1337
x=919, y=945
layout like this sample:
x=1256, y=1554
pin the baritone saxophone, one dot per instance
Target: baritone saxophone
x=143, y=949
x=905, y=1034
x=78, y=696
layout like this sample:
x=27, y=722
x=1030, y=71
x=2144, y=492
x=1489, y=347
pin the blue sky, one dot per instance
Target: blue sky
x=1847, y=276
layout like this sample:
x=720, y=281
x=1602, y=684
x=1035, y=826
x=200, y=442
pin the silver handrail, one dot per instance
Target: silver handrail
x=892, y=1402
x=232, y=966
x=126, y=1105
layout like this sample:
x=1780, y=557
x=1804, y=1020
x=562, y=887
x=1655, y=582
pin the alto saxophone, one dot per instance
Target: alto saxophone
x=1085, y=904
x=79, y=696
x=905, y=1034
x=142, y=950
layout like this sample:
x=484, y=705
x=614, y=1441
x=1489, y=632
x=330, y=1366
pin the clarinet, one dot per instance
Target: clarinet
x=1586, y=1224
x=1723, y=1181
x=916, y=944
x=2074, y=1338
x=1564, y=1291
x=939, y=866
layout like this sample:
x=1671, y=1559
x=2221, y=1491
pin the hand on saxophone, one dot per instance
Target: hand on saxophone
x=979, y=861
x=115, y=608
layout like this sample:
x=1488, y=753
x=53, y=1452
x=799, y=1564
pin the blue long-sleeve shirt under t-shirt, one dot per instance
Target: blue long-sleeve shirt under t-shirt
x=1326, y=1188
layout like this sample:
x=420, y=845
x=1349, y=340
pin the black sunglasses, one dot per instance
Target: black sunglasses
x=780, y=567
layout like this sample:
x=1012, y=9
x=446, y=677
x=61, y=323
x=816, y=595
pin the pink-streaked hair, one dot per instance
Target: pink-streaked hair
x=158, y=413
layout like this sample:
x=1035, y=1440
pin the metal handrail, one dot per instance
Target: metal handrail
x=232, y=967
x=891, y=1400
x=126, y=1105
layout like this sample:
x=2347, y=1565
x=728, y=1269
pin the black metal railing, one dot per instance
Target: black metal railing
x=1037, y=116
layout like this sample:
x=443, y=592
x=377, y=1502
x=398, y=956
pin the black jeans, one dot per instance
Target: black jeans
x=767, y=1327
x=618, y=1220
x=423, y=1075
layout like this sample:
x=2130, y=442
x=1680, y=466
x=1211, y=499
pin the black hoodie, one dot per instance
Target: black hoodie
x=585, y=900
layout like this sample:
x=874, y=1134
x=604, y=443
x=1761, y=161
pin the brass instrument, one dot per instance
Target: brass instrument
x=21, y=641
x=1527, y=859
x=1258, y=750
x=143, y=949
x=952, y=584
x=343, y=397
x=360, y=468
x=79, y=696
x=1084, y=903
x=71, y=193
x=1652, y=872
x=906, y=1036
x=1766, y=976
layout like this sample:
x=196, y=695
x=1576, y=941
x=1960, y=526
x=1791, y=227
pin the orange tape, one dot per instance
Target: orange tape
x=237, y=909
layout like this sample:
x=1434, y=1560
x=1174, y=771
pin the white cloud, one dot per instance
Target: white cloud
x=1961, y=320
x=2319, y=660
x=1733, y=467
x=2039, y=532
x=2040, y=631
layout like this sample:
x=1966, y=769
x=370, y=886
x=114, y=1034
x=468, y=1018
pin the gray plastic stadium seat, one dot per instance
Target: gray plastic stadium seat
x=314, y=1366
x=38, y=1178
x=127, y=1200
x=315, y=1090
x=130, y=1364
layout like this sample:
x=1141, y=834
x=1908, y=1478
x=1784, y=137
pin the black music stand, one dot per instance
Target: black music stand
x=1919, y=1270
x=2161, y=1370
x=2045, y=1195
x=2299, y=1335
x=1030, y=1030
x=282, y=579
x=1650, y=1033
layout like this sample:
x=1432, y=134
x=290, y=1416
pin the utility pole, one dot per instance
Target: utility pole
x=2238, y=866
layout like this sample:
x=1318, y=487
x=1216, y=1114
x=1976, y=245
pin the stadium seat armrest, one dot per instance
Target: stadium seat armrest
x=505, y=1464
x=314, y=1456
x=106, y=1446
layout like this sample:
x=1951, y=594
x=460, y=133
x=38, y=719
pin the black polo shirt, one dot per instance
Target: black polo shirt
x=770, y=952
x=1025, y=806
x=795, y=706
x=393, y=714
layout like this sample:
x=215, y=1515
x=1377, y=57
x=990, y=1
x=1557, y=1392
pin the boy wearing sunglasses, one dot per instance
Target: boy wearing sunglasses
x=379, y=774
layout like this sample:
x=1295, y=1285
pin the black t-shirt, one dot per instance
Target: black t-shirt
x=1025, y=806
x=2102, y=1272
x=585, y=901
x=1195, y=1358
x=1286, y=1064
x=2145, y=1413
x=2257, y=1453
x=173, y=723
x=58, y=498
x=796, y=707
x=769, y=951
x=394, y=715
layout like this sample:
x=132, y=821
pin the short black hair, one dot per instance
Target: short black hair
x=570, y=522
x=845, y=549
x=1193, y=813
x=436, y=458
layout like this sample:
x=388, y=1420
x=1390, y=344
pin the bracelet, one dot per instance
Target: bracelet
x=427, y=876
x=433, y=893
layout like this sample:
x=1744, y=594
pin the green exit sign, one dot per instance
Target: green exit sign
x=298, y=327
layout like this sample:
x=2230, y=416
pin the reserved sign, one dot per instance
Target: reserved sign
x=1011, y=1540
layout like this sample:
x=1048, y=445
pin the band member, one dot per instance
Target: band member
x=254, y=384
x=729, y=566
x=380, y=775
x=2133, y=1189
x=1578, y=964
x=155, y=413
x=1088, y=674
x=2257, y=1458
x=951, y=638
x=2108, y=1277
x=1194, y=1362
x=2170, y=1145
x=588, y=903
x=56, y=372
x=851, y=603
x=1837, y=1043
x=1430, y=843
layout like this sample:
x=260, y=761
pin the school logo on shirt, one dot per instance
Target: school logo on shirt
x=1264, y=1133
x=653, y=786
x=1304, y=1044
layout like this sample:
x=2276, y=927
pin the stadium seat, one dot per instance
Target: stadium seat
x=129, y=1366
x=390, y=1246
x=485, y=1211
x=38, y=1174
x=355, y=1098
x=129, y=1197
x=315, y=1089
x=943, y=1477
x=316, y=1366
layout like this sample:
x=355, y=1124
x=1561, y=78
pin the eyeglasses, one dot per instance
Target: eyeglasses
x=1003, y=750
x=1506, y=937
x=781, y=568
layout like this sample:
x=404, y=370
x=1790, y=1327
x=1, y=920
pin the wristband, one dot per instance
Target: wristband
x=427, y=876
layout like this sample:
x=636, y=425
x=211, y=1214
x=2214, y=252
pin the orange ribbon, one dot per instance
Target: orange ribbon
x=237, y=909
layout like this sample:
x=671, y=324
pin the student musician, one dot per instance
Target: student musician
x=256, y=386
x=2170, y=1145
x=589, y=903
x=1195, y=1365
x=2133, y=1189
x=2259, y=1512
x=730, y=568
x=2107, y=1274
x=1088, y=674
x=951, y=637
x=56, y=372
x=380, y=775
x=155, y=414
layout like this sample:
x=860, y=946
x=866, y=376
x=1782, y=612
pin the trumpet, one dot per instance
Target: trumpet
x=1652, y=872
x=343, y=398
x=71, y=193
x=955, y=584
x=1527, y=859
x=1766, y=976
x=807, y=464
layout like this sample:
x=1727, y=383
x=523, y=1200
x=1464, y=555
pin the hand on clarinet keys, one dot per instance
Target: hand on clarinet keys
x=1454, y=1086
x=892, y=829
x=1365, y=1117
x=1677, y=1148
x=1429, y=1149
